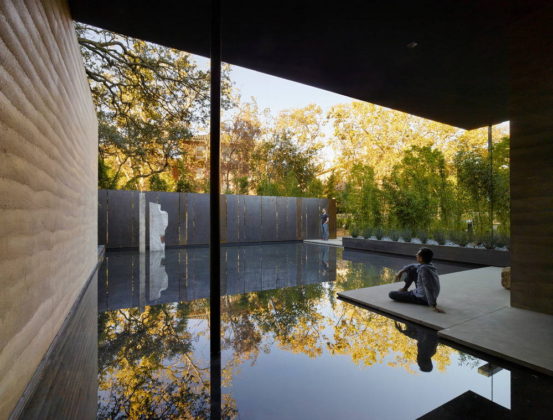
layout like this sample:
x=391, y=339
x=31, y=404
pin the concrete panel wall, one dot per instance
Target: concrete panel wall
x=48, y=184
x=531, y=109
x=245, y=218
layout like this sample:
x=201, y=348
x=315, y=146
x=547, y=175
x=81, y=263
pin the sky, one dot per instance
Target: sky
x=279, y=94
x=276, y=93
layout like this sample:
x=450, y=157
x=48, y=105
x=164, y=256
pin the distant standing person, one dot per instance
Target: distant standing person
x=324, y=225
x=427, y=282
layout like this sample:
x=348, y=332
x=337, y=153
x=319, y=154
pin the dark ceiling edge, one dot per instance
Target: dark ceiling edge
x=454, y=122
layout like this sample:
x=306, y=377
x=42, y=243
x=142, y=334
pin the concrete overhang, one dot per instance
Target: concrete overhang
x=442, y=60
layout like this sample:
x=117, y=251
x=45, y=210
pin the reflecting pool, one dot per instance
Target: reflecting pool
x=291, y=349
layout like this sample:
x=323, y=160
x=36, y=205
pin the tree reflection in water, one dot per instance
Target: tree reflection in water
x=148, y=368
x=151, y=365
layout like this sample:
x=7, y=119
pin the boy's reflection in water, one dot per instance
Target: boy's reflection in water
x=427, y=343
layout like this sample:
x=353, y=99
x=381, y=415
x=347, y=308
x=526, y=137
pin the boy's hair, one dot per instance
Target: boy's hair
x=426, y=254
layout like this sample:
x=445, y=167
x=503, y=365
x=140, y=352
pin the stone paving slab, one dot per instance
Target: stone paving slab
x=464, y=295
x=478, y=315
x=520, y=336
x=330, y=242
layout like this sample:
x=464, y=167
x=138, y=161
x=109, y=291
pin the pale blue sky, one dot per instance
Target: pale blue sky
x=279, y=94
x=276, y=93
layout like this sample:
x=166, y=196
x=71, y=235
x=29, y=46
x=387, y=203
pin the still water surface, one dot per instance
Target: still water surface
x=291, y=349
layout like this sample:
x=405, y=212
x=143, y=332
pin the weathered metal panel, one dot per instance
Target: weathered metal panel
x=290, y=227
x=268, y=219
x=311, y=218
x=331, y=208
x=243, y=218
x=223, y=218
x=304, y=218
x=102, y=216
x=182, y=219
x=197, y=219
x=252, y=218
x=281, y=212
x=233, y=218
x=299, y=219
x=122, y=219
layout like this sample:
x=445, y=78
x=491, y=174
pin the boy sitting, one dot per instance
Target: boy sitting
x=426, y=280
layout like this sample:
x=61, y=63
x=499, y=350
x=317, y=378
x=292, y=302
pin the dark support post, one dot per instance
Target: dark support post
x=490, y=154
x=214, y=212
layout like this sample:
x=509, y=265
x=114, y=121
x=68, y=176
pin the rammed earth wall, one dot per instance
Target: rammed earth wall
x=48, y=185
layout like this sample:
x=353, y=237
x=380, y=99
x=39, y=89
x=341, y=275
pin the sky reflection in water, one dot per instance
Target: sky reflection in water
x=290, y=348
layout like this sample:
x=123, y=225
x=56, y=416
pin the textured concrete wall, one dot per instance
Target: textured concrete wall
x=48, y=178
x=531, y=109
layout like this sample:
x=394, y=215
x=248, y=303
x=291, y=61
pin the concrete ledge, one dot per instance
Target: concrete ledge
x=464, y=295
x=517, y=335
x=331, y=242
x=478, y=316
x=441, y=252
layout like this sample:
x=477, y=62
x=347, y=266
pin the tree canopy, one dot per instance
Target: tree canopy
x=385, y=168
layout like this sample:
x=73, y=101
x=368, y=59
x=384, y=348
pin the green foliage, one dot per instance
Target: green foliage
x=288, y=169
x=343, y=221
x=148, y=99
x=315, y=188
x=152, y=102
x=330, y=190
x=367, y=232
x=422, y=235
x=394, y=234
x=501, y=240
x=418, y=191
x=184, y=185
x=379, y=233
x=459, y=237
x=488, y=240
x=477, y=181
x=243, y=185
x=439, y=236
x=354, y=231
x=361, y=197
x=158, y=184
x=407, y=235
x=106, y=180
x=184, y=182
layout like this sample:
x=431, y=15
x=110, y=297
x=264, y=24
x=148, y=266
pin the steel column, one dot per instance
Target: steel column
x=214, y=212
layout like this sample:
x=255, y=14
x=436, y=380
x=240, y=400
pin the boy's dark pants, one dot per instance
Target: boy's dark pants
x=408, y=297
